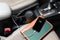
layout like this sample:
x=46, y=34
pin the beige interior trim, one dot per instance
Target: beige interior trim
x=16, y=4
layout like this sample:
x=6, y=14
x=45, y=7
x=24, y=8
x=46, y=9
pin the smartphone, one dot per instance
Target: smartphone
x=39, y=24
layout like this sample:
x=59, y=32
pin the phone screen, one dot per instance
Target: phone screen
x=39, y=24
